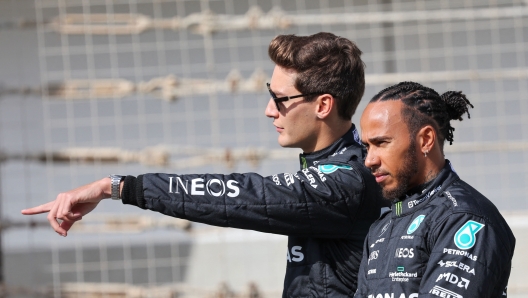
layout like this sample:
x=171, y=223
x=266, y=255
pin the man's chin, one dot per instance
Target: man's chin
x=286, y=145
x=283, y=142
x=388, y=195
x=393, y=193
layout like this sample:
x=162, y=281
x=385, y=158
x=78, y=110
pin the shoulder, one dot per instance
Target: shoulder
x=347, y=170
x=460, y=208
x=347, y=166
x=352, y=155
x=460, y=197
x=349, y=157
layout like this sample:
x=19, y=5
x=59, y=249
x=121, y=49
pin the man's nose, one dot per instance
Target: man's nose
x=271, y=109
x=372, y=160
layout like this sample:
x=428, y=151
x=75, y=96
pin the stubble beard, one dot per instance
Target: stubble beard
x=403, y=177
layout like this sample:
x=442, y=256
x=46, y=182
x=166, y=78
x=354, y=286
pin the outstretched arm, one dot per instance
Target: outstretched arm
x=72, y=205
x=306, y=203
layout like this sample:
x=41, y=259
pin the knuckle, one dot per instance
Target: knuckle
x=63, y=196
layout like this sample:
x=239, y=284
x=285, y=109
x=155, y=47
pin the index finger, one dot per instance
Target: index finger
x=39, y=209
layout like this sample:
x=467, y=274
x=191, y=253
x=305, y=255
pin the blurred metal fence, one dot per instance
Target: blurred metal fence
x=80, y=89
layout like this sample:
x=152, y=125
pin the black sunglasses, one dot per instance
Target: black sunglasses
x=285, y=98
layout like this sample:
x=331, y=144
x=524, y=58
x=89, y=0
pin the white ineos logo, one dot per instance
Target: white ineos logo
x=404, y=253
x=214, y=187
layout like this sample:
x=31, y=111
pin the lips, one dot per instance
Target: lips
x=380, y=177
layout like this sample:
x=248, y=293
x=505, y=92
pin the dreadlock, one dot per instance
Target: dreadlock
x=424, y=106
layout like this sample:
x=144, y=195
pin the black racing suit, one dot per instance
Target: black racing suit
x=326, y=209
x=446, y=240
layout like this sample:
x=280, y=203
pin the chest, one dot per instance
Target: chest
x=398, y=249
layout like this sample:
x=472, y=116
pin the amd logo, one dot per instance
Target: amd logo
x=454, y=279
x=214, y=187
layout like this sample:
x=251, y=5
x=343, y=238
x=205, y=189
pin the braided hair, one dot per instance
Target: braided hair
x=424, y=106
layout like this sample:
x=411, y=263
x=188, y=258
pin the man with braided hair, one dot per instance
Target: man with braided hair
x=442, y=238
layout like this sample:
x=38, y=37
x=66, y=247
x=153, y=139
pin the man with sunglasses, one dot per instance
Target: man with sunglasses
x=326, y=208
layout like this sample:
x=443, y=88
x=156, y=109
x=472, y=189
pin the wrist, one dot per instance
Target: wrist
x=106, y=187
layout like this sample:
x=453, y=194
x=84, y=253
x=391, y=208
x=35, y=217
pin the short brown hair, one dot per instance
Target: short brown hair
x=325, y=63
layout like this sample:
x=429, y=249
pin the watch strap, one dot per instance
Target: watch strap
x=115, y=181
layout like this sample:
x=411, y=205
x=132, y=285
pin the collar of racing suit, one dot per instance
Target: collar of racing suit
x=418, y=190
x=420, y=195
x=311, y=159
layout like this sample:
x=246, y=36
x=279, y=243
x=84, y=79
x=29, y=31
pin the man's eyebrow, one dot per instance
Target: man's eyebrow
x=379, y=139
x=277, y=93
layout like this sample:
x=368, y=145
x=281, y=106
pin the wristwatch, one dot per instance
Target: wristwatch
x=115, y=182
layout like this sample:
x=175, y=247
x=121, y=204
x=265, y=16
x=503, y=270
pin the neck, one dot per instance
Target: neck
x=419, y=189
x=431, y=175
x=428, y=167
x=433, y=164
x=327, y=134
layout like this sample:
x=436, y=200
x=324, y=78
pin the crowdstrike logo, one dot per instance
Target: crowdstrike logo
x=214, y=187
x=465, y=236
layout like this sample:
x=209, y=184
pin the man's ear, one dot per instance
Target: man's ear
x=324, y=105
x=426, y=138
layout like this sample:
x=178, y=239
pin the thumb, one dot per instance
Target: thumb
x=66, y=225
